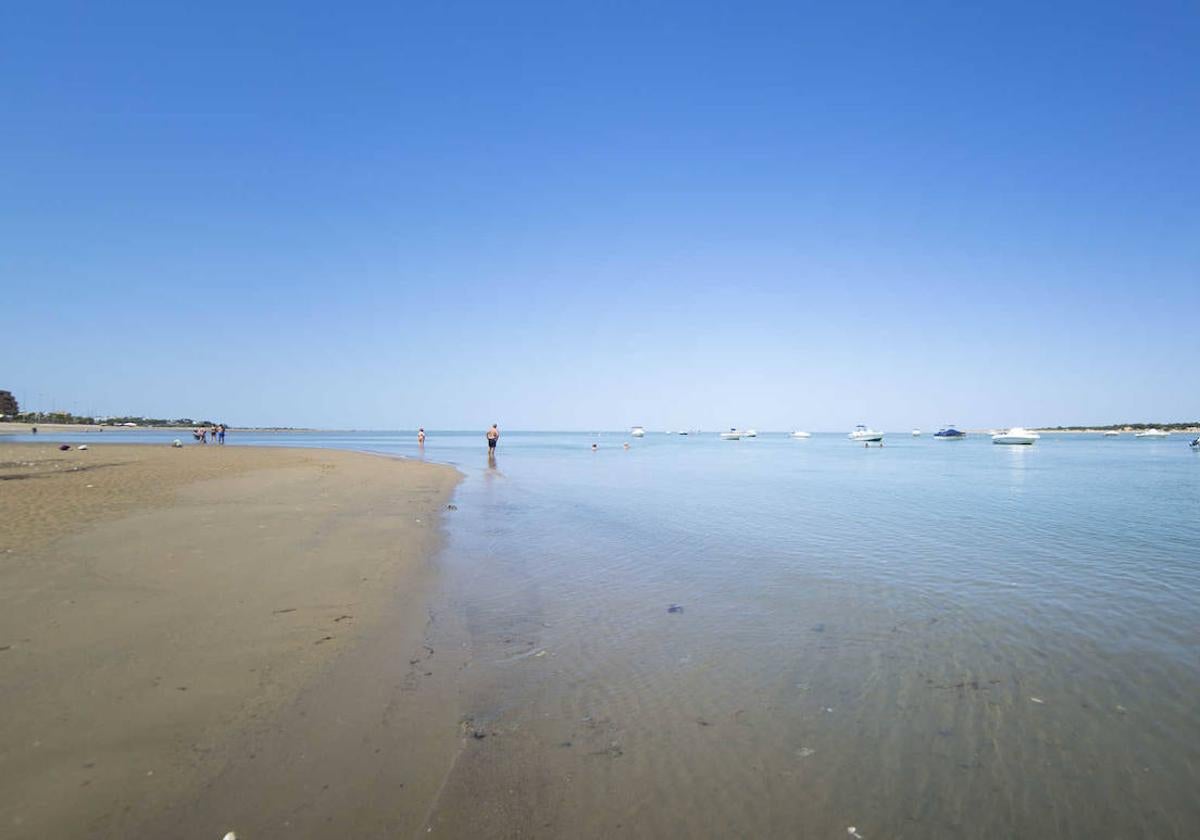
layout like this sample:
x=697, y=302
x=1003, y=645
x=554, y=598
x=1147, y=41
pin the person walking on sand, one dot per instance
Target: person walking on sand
x=420, y=437
x=493, y=436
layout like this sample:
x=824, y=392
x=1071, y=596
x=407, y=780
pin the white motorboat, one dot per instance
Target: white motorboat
x=799, y=434
x=1112, y=433
x=862, y=434
x=637, y=431
x=1151, y=433
x=750, y=433
x=1016, y=435
x=916, y=432
x=732, y=434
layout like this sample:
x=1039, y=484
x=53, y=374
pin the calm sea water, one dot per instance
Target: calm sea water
x=929, y=639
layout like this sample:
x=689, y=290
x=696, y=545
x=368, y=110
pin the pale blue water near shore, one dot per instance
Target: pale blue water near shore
x=932, y=639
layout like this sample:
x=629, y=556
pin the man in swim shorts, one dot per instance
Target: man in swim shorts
x=493, y=435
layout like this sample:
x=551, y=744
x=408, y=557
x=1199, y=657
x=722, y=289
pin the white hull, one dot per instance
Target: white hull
x=1152, y=433
x=731, y=436
x=638, y=431
x=1016, y=437
x=750, y=433
x=916, y=432
x=866, y=437
x=801, y=434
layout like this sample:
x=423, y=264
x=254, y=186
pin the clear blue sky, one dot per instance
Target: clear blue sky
x=587, y=215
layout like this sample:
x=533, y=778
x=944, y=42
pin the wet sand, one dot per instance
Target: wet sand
x=209, y=639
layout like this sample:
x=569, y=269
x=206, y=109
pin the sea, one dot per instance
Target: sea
x=775, y=637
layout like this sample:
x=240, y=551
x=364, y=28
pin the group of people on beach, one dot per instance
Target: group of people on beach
x=216, y=432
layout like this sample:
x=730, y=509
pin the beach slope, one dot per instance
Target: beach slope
x=213, y=638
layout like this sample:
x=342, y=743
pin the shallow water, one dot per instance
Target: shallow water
x=929, y=639
x=932, y=639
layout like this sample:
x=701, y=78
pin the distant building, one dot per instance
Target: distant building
x=8, y=404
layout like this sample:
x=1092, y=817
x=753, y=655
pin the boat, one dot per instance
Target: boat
x=683, y=433
x=637, y=431
x=916, y=432
x=864, y=435
x=750, y=433
x=1195, y=444
x=1151, y=433
x=799, y=434
x=949, y=433
x=1016, y=435
x=732, y=434
x=1112, y=433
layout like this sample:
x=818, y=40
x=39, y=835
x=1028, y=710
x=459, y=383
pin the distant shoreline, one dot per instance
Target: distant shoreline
x=21, y=428
x=26, y=428
x=1126, y=428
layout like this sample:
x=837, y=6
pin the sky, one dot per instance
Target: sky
x=592, y=215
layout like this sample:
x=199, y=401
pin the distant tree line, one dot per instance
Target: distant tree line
x=67, y=417
x=1136, y=427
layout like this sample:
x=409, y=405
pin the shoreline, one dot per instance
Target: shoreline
x=60, y=428
x=175, y=622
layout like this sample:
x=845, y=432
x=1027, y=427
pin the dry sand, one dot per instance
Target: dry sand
x=208, y=639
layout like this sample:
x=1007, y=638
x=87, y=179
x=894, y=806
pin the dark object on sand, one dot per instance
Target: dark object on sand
x=64, y=447
x=675, y=608
x=451, y=507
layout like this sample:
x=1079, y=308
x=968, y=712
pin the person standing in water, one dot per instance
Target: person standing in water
x=420, y=437
x=493, y=436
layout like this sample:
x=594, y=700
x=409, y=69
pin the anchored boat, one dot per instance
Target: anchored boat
x=1016, y=435
x=862, y=434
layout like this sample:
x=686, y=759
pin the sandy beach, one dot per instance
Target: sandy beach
x=208, y=639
